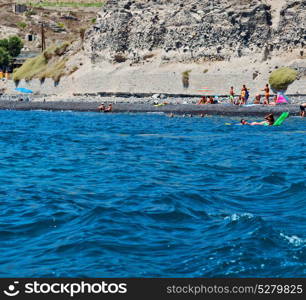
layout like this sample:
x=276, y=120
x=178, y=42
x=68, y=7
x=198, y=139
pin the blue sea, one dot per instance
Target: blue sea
x=144, y=195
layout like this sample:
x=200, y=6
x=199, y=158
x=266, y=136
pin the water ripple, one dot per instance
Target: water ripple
x=96, y=195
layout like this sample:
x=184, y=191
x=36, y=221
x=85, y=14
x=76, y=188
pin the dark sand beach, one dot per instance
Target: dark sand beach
x=214, y=109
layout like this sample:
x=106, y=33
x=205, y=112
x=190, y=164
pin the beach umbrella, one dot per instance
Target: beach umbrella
x=24, y=90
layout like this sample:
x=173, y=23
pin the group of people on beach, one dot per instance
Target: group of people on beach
x=243, y=98
x=207, y=100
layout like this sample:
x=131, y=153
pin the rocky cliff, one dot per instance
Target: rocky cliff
x=153, y=46
x=190, y=30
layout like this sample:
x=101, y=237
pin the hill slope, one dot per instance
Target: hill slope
x=150, y=46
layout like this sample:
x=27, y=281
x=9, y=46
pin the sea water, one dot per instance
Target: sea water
x=121, y=195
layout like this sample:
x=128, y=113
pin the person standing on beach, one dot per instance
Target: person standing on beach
x=267, y=94
x=247, y=94
x=302, y=110
x=243, y=95
x=232, y=95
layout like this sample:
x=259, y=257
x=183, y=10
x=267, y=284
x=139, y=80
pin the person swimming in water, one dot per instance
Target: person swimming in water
x=269, y=121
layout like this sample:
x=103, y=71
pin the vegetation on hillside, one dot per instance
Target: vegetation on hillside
x=50, y=64
x=21, y=25
x=4, y=58
x=97, y=3
x=9, y=49
x=281, y=78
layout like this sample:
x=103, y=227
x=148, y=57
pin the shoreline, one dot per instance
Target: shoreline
x=178, y=109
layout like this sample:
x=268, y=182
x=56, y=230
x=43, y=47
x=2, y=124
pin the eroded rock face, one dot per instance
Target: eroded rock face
x=190, y=30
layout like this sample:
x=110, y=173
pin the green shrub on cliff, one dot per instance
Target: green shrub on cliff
x=55, y=71
x=185, y=78
x=62, y=49
x=30, y=68
x=280, y=79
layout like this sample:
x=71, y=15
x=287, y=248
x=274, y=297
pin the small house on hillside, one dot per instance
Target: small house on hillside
x=19, y=8
x=31, y=37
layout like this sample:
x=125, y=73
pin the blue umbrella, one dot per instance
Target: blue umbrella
x=24, y=90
